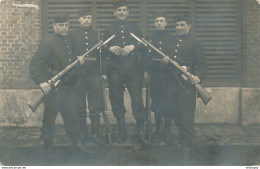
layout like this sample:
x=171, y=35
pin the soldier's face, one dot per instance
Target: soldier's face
x=61, y=28
x=85, y=21
x=160, y=23
x=182, y=28
x=121, y=13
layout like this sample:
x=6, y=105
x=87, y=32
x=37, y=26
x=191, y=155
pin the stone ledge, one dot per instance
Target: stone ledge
x=223, y=107
x=250, y=106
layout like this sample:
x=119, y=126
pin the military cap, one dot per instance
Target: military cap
x=182, y=18
x=84, y=12
x=119, y=3
x=60, y=18
x=159, y=14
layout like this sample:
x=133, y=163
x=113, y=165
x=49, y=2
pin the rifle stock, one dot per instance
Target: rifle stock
x=203, y=94
x=34, y=104
x=148, y=110
x=105, y=112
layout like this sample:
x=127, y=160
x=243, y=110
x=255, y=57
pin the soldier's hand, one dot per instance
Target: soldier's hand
x=195, y=79
x=166, y=60
x=81, y=59
x=146, y=77
x=46, y=88
x=116, y=50
x=127, y=49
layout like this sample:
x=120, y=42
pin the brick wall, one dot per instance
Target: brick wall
x=20, y=32
x=251, y=43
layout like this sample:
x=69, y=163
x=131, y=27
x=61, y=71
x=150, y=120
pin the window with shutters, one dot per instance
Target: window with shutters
x=216, y=23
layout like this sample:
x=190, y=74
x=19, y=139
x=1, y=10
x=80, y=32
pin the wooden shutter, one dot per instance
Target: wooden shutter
x=217, y=23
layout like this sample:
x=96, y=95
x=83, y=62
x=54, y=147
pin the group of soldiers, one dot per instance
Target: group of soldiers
x=125, y=63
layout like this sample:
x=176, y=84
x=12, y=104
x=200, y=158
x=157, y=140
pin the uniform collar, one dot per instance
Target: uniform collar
x=183, y=36
x=60, y=36
x=120, y=22
x=85, y=29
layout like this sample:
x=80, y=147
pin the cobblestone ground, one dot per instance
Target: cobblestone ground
x=218, y=145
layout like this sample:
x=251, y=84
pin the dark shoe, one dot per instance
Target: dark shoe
x=48, y=149
x=186, y=152
x=122, y=129
x=158, y=141
x=141, y=140
x=121, y=139
x=49, y=153
x=97, y=140
x=140, y=133
x=82, y=148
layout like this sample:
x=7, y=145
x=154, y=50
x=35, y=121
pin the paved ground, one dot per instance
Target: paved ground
x=214, y=145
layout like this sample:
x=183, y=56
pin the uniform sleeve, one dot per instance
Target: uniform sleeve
x=38, y=65
x=201, y=66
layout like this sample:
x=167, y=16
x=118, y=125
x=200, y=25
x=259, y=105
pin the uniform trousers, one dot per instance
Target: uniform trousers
x=157, y=96
x=89, y=85
x=180, y=104
x=62, y=100
x=133, y=80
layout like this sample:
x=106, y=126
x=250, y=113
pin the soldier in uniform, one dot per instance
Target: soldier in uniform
x=83, y=39
x=159, y=73
x=180, y=100
x=53, y=55
x=124, y=68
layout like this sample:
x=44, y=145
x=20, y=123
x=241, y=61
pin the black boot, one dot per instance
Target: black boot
x=95, y=124
x=168, y=136
x=122, y=130
x=140, y=132
x=159, y=131
x=48, y=148
x=186, y=151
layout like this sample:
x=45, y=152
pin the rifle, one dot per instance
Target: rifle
x=55, y=81
x=203, y=94
x=105, y=110
x=148, y=110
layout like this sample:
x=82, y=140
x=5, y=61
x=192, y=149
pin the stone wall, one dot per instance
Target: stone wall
x=228, y=105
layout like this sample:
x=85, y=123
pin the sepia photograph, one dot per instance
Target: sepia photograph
x=130, y=83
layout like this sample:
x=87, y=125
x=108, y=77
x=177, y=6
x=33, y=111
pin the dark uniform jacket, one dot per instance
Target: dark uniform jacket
x=122, y=30
x=53, y=55
x=187, y=51
x=162, y=41
x=83, y=40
